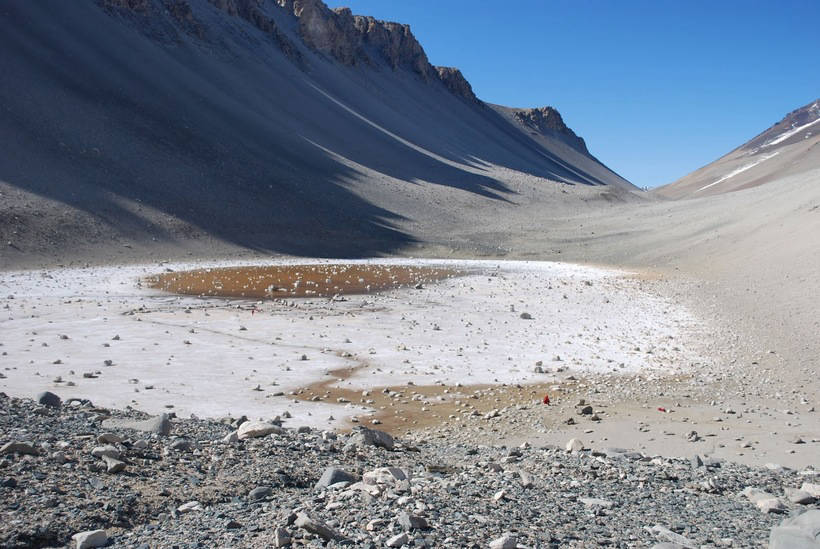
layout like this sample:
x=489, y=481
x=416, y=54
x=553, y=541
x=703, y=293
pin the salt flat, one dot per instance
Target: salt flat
x=213, y=357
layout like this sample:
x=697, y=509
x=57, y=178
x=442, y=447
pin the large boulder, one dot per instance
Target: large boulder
x=257, y=429
x=800, y=532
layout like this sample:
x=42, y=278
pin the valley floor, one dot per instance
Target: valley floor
x=689, y=329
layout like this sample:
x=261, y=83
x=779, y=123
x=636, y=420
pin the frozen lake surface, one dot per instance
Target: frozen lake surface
x=98, y=333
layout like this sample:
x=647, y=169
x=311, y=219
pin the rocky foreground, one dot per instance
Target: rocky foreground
x=72, y=474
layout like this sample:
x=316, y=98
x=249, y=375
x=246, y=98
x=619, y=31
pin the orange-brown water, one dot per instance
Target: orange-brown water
x=287, y=281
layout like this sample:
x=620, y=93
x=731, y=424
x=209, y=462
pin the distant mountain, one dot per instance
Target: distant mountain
x=282, y=126
x=790, y=146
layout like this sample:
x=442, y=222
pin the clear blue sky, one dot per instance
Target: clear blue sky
x=657, y=88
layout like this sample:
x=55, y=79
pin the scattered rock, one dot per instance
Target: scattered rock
x=333, y=475
x=181, y=445
x=597, y=502
x=257, y=429
x=800, y=532
x=506, y=541
x=107, y=450
x=109, y=438
x=189, y=507
x=801, y=497
x=399, y=540
x=160, y=425
x=574, y=445
x=22, y=448
x=314, y=526
x=811, y=488
x=281, y=538
x=113, y=465
x=260, y=493
x=412, y=522
x=90, y=539
x=363, y=436
x=765, y=502
x=674, y=539
x=47, y=398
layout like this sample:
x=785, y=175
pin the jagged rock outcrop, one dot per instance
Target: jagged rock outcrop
x=548, y=120
x=139, y=6
x=454, y=81
x=181, y=11
x=327, y=31
x=250, y=11
x=396, y=44
x=353, y=39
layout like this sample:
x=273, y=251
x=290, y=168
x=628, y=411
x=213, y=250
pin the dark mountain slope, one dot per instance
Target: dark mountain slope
x=257, y=123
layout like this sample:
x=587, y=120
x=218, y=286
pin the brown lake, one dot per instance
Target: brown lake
x=306, y=280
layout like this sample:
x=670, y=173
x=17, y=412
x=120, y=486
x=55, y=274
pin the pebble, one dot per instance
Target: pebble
x=399, y=540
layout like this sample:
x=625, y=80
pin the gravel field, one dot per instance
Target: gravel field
x=71, y=467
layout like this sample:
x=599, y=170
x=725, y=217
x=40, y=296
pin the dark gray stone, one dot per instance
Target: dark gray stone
x=47, y=398
x=412, y=522
x=332, y=475
x=363, y=436
x=260, y=492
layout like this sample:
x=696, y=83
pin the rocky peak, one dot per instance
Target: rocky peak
x=325, y=30
x=352, y=39
x=547, y=120
x=799, y=124
x=454, y=81
x=396, y=44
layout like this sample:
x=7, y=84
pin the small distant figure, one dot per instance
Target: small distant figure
x=546, y=399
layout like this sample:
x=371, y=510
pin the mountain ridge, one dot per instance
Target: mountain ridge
x=169, y=121
x=789, y=146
